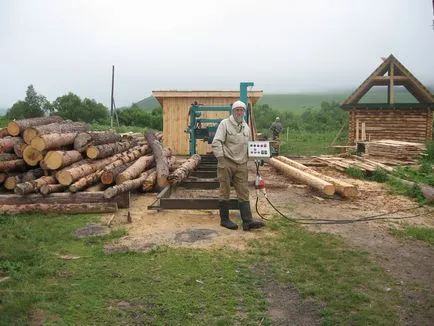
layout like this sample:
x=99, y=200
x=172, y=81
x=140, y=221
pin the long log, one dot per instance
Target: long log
x=106, y=150
x=160, y=161
x=62, y=127
x=60, y=208
x=52, y=188
x=184, y=170
x=58, y=159
x=56, y=198
x=427, y=190
x=141, y=164
x=108, y=177
x=34, y=186
x=8, y=157
x=13, y=165
x=127, y=185
x=85, y=139
x=53, y=141
x=16, y=127
x=86, y=181
x=32, y=156
x=325, y=187
x=343, y=188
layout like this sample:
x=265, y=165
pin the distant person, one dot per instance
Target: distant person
x=230, y=149
x=276, y=128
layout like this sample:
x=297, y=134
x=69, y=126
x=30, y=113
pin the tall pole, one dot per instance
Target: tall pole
x=112, y=102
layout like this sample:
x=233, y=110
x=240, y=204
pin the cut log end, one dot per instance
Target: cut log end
x=13, y=128
x=64, y=178
x=29, y=134
x=38, y=143
x=32, y=156
x=92, y=152
x=53, y=160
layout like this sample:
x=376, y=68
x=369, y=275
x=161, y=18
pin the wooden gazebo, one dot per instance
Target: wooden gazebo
x=176, y=106
x=397, y=121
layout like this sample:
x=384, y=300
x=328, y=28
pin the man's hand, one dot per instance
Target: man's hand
x=221, y=162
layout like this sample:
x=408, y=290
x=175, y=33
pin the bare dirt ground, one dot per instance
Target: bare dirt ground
x=410, y=263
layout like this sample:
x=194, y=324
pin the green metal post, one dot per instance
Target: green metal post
x=244, y=96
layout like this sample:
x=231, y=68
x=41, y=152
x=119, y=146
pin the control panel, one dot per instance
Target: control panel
x=259, y=149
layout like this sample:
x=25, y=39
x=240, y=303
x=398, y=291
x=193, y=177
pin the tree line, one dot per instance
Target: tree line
x=71, y=106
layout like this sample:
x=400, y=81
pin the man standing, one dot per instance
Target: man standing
x=276, y=128
x=230, y=149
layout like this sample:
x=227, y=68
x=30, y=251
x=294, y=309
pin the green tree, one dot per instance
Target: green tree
x=70, y=106
x=34, y=105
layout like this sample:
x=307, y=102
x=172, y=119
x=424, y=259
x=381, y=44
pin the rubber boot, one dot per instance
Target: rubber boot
x=224, y=216
x=246, y=215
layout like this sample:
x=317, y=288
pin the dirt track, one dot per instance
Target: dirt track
x=411, y=263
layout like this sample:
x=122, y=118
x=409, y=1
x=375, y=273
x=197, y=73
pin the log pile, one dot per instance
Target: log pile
x=48, y=158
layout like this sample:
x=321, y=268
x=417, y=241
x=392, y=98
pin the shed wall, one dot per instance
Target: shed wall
x=413, y=125
x=175, y=121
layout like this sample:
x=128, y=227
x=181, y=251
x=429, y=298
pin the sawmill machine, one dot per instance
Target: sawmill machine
x=204, y=129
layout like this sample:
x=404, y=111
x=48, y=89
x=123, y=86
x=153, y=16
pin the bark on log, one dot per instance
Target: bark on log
x=15, y=127
x=325, y=187
x=13, y=165
x=85, y=139
x=4, y=132
x=184, y=170
x=106, y=150
x=60, y=208
x=19, y=147
x=127, y=185
x=7, y=144
x=57, y=198
x=98, y=187
x=341, y=187
x=109, y=176
x=32, y=156
x=141, y=164
x=63, y=127
x=3, y=177
x=427, y=191
x=52, y=188
x=86, y=181
x=53, y=141
x=12, y=181
x=34, y=186
x=33, y=174
x=59, y=159
x=8, y=157
x=160, y=161
x=150, y=181
x=68, y=175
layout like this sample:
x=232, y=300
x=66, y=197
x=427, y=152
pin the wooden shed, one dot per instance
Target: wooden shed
x=390, y=120
x=176, y=106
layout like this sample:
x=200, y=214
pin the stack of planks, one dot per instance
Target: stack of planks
x=398, y=150
x=326, y=184
x=343, y=162
x=51, y=160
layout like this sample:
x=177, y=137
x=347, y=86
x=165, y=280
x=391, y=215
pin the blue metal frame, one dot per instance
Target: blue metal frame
x=195, y=113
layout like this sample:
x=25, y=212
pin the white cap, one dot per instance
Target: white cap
x=239, y=104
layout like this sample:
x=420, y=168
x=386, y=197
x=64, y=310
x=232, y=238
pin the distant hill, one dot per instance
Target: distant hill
x=302, y=101
x=148, y=103
x=3, y=111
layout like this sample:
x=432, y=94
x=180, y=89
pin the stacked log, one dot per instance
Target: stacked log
x=182, y=173
x=395, y=149
x=54, y=163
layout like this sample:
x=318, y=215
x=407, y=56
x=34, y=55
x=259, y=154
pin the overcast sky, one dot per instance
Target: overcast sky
x=281, y=45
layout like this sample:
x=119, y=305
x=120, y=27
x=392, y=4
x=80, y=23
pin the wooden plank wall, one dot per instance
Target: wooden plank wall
x=175, y=121
x=413, y=125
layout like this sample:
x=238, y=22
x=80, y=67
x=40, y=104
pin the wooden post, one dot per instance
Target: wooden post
x=363, y=131
x=357, y=130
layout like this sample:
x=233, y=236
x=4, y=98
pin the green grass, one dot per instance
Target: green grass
x=415, y=233
x=180, y=286
x=305, y=143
